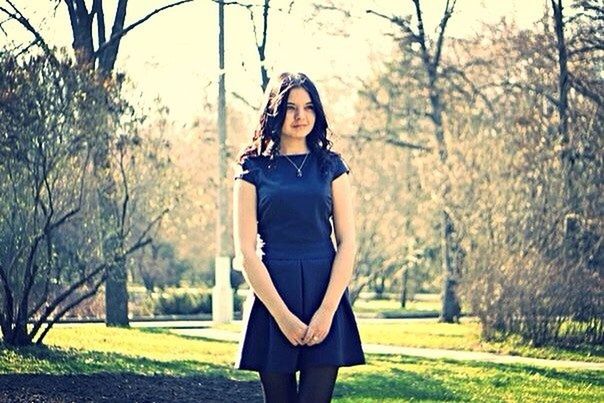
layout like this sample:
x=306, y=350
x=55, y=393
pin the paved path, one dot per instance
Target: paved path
x=434, y=353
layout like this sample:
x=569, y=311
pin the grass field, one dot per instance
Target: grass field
x=430, y=304
x=95, y=348
x=463, y=336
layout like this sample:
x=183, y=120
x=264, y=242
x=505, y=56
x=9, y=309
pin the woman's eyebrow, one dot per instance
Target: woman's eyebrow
x=291, y=103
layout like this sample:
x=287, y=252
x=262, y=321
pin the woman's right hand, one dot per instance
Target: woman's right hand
x=292, y=327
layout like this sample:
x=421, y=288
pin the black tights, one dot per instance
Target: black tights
x=316, y=385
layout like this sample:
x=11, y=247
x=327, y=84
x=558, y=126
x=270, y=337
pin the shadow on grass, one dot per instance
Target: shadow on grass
x=399, y=385
x=51, y=374
x=401, y=378
x=44, y=359
x=393, y=383
x=126, y=387
x=91, y=375
x=568, y=375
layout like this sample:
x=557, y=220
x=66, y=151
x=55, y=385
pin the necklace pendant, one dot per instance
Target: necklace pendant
x=298, y=168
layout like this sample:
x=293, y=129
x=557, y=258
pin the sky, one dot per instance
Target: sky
x=174, y=55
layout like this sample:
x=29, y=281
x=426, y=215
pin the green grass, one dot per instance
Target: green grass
x=464, y=336
x=94, y=348
x=393, y=307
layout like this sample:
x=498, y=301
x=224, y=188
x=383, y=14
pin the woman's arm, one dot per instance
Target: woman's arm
x=341, y=271
x=344, y=228
x=245, y=230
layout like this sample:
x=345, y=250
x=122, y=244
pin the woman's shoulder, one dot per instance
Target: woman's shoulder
x=335, y=157
x=337, y=163
x=333, y=154
x=251, y=159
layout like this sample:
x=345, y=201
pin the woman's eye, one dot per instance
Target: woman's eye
x=310, y=107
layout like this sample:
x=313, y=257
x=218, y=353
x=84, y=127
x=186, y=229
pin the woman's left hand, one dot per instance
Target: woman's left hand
x=319, y=326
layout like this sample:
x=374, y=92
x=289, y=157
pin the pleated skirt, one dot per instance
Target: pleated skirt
x=301, y=280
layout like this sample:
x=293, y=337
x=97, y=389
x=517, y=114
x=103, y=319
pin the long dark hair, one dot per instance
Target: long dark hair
x=267, y=135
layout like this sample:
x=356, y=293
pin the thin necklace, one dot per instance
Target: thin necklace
x=299, y=169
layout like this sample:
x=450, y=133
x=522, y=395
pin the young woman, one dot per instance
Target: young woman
x=300, y=318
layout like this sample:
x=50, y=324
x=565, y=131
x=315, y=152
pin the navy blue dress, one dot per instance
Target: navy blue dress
x=295, y=230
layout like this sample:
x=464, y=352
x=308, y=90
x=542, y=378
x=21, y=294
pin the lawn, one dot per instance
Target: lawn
x=95, y=348
x=463, y=336
x=392, y=307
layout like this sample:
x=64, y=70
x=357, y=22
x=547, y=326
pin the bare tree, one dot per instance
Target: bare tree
x=100, y=58
x=49, y=260
x=430, y=57
x=260, y=41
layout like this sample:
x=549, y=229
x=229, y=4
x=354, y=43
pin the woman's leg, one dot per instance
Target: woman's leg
x=317, y=383
x=278, y=387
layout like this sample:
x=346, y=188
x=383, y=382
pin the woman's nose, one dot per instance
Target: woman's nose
x=299, y=113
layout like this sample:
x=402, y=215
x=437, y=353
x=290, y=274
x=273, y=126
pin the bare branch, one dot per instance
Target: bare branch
x=441, y=34
x=323, y=7
x=93, y=291
x=586, y=90
x=527, y=87
x=245, y=101
x=126, y=191
x=97, y=7
x=387, y=140
x=115, y=37
x=250, y=6
x=65, y=294
x=19, y=17
x=586, y=49
x=400, y=22
x=141, y=240
x=475, y=89
x=422, y=42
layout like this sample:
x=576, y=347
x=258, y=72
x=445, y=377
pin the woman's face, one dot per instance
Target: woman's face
x=299, y=116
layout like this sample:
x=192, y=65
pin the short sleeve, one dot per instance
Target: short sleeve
x=247, y=171
x=340, y=167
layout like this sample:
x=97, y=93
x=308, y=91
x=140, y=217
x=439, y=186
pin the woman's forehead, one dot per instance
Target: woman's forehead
x=298, y=95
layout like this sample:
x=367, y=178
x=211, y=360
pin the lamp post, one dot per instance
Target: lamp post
x=222, y=293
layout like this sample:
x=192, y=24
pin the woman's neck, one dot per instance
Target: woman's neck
x=298, y=147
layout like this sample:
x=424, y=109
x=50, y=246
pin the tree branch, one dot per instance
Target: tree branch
x=21, y=19
x=78, y=301
x=400, y=22
x=97, y=7
x=475, y=89
x=441, y=34
x=54, y=304
x=388, y=140
x=126, y=190
x=115, y=37
x=245, y=101
x=141, y=240
x=530, y=88
x=322, y=7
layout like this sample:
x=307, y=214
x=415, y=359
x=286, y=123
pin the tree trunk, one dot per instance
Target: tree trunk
x=567, y=152
x=116, y=291
x=17, y=336
x=404, y=283
x=450, y=310
x=450, y=302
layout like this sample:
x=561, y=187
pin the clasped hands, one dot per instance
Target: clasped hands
x=299, y=333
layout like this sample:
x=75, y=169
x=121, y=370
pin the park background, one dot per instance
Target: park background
x=472, y=138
